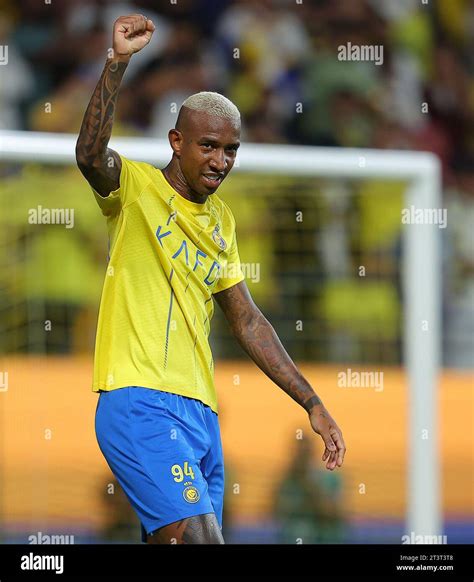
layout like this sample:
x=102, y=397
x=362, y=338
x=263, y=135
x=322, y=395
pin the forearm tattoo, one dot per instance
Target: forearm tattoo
x=258, y=338
x=101, y=165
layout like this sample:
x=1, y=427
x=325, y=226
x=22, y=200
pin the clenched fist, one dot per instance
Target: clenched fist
x=131, y=34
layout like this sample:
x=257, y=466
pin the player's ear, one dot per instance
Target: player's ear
x=175, y=138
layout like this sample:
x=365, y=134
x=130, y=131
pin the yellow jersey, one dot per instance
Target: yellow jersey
x=167, y=257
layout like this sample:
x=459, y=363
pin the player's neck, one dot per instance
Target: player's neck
x=175, y=178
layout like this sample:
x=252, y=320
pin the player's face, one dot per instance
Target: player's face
x=208, y=152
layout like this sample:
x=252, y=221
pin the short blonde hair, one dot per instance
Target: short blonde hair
x=213, y=104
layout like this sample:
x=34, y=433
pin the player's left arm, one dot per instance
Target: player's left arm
x=258, y=338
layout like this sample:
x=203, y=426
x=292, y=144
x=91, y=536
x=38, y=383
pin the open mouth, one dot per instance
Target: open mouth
x=213, y=180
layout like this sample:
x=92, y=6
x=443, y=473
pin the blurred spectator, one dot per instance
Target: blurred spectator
x=309, y=500
x=274, y=36
x=170, y=78
x=459, y=272
x=86, y=16
x=333, y=87
x=449, y=95
x=263, y=46
x=56, y=273
x=121, y=524
x=17, y=80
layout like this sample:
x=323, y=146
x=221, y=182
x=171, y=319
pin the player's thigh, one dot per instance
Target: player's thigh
x=198, y=529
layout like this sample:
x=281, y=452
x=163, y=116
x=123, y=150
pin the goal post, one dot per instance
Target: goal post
x=421, y=269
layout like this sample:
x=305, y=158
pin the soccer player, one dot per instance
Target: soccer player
x=172, y=251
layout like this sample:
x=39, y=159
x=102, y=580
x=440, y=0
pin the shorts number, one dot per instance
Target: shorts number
x=179, y=473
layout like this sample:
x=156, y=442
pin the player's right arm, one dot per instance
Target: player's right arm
x=99, y=164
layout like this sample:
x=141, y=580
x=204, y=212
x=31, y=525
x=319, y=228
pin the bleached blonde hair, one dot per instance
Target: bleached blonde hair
x=213, y=104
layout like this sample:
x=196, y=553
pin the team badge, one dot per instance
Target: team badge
x=191, y=494
x=216, y=237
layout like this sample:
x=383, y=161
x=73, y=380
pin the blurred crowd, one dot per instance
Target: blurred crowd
x=268, y=56
x=278, y=61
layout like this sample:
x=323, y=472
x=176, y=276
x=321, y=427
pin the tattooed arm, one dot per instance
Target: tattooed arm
x=101, y=165
x=258, y=338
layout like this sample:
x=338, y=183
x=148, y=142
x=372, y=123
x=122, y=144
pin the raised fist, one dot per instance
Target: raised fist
x=131, y=34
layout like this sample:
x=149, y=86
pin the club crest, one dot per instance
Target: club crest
x=217, y=238
x=191, y=494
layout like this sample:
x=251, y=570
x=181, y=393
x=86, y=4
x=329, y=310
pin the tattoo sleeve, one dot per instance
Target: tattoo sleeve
x=258, y=338
x=99, y=164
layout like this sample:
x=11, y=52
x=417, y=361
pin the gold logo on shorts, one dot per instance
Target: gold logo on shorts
x=191, y=494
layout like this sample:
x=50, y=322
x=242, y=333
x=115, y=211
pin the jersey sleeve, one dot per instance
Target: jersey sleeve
x=133, y=179
x=232, y=271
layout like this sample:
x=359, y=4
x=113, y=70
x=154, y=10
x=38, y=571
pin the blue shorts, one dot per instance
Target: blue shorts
x=165, y=451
